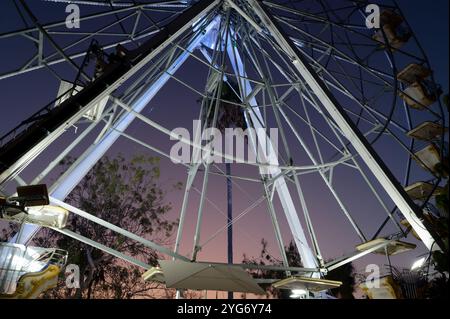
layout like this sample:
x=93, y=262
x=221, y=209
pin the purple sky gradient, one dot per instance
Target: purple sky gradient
x=23, y=95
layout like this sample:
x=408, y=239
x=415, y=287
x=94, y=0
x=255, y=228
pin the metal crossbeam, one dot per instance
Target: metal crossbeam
x=387, y=180
x=29, y=144
x=101, y=222
x=84, y=163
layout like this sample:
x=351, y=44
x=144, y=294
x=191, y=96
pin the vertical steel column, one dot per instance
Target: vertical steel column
x=308, y=258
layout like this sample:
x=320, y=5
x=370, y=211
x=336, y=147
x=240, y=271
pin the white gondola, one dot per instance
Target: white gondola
x=392, y=27
x=419, y=95
x=47, y=216
x=306, y=283
x=405, y=223
x=393, y=247
x=427, y=131
x=31, y=206
x=429, y=158
x=422, y=190
x=413, y=73
x=203, y=276
x=382, y=288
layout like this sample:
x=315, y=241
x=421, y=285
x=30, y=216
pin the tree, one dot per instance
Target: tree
x=438, y=287
x=7, y=230
x=265, y=258
x=128, y=194
x=345, y=274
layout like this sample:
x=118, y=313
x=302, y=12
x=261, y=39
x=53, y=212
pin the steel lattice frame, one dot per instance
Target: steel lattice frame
x=309, y=68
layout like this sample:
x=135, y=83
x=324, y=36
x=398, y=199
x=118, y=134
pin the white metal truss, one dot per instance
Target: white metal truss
x=268, y=50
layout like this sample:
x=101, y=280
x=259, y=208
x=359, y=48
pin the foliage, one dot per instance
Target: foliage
x=7, y=230
x=445, y=99
x=345, y=274
x=438, y=286
x=128, y=194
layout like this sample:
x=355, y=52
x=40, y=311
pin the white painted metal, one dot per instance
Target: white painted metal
x=116, y=229
x=83, y=165
x=275, y=176
x=380, y=171
x=308, y=258
x=35, y=151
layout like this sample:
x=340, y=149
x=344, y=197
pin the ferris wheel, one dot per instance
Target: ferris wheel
x=357, y=113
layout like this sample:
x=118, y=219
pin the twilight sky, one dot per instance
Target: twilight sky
x=23, y=95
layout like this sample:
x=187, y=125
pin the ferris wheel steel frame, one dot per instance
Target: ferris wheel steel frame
x=314, y=89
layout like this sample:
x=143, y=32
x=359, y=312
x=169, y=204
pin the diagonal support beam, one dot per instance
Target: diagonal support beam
x=71, y=178
x=382, y=173
x=16, y=154
x=308, y=258
x=117, y=229
x=102, y=247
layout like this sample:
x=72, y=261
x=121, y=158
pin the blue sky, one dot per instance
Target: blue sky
x=430, y=22
x=428, y=19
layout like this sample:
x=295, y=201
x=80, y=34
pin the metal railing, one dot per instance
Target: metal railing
x=17, y=260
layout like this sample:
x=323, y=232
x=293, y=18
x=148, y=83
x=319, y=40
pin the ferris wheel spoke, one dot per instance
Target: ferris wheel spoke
x=52, y=29
x=310, y=68
x=279, y=67
x=180, y=4
x=336, y=84
x=346, y=213
x=345, y=150
x=340, y=52
x=326, y=22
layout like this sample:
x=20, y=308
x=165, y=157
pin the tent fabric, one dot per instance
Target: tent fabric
x=209, y=276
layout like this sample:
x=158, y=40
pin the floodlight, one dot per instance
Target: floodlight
x=418, y=263
x=32, y=195
x=299, y=291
